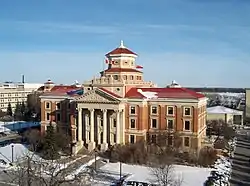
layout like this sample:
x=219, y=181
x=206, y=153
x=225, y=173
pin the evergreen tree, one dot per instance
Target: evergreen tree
x=9, y=110
x=50, y=147
x=17, y=113
x=23, y=111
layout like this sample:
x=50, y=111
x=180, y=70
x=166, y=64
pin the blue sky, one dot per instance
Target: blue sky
x=195, y=42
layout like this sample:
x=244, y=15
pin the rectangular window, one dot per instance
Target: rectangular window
x=154, y=110
x=58, y=117
x=114, y=122
x=186, y=141
x=187, y=111
x=47, y=105
x=68, y=105
x=114, y=136
x=170, y=140
x=153, y=138
x=132, y=110
x=154, y=123
x=186, y=125
x=170, y=124
x=48, y=116
x=58, y=106
x=132, y=138
x=170, y=111
x=132, y=123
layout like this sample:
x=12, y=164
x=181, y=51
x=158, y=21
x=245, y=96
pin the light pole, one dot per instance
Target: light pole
x=95, y=160
x=12, y=153
x=120, y=171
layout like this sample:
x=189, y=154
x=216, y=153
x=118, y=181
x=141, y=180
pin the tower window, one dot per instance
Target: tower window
x=115, y=77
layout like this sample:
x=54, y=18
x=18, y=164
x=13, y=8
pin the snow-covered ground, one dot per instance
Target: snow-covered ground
x=192, y=176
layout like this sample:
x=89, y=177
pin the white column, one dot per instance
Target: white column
x=92, y=125
x=91, y=144
x=80, y=124
x=104, y=112
x=123, y=126
x=118, y=127
x=104, y=145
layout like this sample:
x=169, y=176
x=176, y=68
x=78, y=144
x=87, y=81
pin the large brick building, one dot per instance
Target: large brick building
x=119, y=107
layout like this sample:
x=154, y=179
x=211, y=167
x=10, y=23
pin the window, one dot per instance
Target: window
x=58, y=106
x=153, y=138
x=132, y=139
x=131, y=77
x=132, y=110
x=187, y=111
x=170, y=140
x=154, y=123
x=114, y=136
x=170, y=111
x=170, y=123
x=68, y=105
x=114, y=122
x=186, y=141
x=16, y=95
x=154, y=110
x=9, y=95
x=132, y=123
x=58, y=117
x=186, y=125
x=47, y=105
x=48, y=116
x=118, y=89
x=115, y=77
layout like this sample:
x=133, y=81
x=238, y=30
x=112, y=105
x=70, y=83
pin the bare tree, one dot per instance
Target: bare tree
x=31, y=170
x=164, y=173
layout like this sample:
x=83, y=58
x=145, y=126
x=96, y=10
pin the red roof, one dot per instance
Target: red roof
x=109, y=92
x=122, y=70
x=177, y=93
x=60, y=90
x=120, y=50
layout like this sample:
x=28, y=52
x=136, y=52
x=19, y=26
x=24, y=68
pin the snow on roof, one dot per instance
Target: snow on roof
x=223, y=110
x=147, y=94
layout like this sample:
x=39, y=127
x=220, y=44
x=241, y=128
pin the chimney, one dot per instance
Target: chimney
x=23, y=79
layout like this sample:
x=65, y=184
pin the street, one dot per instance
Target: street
x=240, y=161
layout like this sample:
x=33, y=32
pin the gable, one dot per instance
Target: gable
x=97, y=96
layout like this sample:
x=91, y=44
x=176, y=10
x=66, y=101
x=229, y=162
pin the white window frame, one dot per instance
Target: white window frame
x=130, y=138
x=152, y=123
x=168, y=110
x=173, y=124
x=152, y=106
x=190, y=125
x=130, y=110
x=47, y=102
x=130, y=123
x=184, y=108
x=58, y=103
x=189, y=141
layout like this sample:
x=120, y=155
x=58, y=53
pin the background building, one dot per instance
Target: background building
x=13, y=93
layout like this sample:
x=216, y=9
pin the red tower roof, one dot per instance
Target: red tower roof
x=121, y=50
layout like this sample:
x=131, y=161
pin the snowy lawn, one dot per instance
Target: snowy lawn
x=192, y=176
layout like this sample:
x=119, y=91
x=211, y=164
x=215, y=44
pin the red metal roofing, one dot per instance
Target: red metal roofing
x=60, y=90
x=120, y=50
x=122, y=70
x=178, y=93
x=109, y=92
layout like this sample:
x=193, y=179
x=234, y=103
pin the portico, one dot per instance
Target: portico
x=100, y=121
